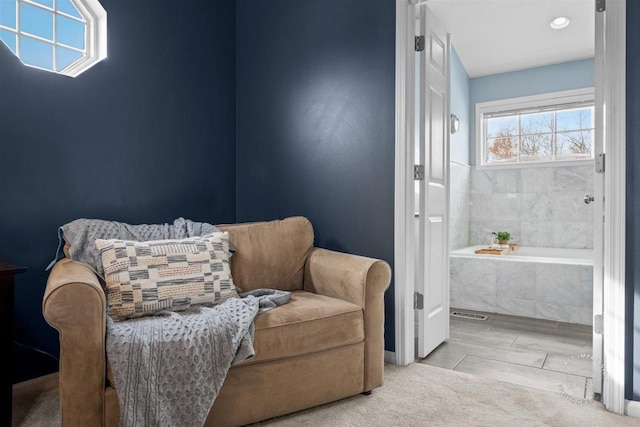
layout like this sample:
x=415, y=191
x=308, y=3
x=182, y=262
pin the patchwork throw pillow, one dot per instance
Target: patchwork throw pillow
x=144, y=278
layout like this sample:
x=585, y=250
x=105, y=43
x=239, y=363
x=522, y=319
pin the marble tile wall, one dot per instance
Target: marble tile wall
x=560, y=292
x=539, y=206
x=460, y=207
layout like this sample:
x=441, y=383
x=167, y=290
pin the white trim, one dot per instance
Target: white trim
x=455, y=162
x=632, y=408
x=404, y=189
x=549, y=164
x=96, y=37
x=390, y=357
x=532, y=101
x=614, y=206
x=598, y=207
x=523, y=102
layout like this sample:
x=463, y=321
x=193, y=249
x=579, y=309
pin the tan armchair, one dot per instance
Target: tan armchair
x=325, y=344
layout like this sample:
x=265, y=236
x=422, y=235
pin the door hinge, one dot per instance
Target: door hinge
x=418, y=301
x=600, y=6
x=598, y=324
x=419, y=45
x=418, y=172
x=600, y=158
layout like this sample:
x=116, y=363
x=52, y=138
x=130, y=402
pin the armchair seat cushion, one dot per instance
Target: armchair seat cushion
x=306, y=324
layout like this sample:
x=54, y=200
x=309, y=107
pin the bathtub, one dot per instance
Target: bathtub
x=532, y=254
x=544, y=283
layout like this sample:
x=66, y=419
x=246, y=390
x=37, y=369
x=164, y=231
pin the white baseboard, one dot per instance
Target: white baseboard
x=632, y=408
x=390, y=357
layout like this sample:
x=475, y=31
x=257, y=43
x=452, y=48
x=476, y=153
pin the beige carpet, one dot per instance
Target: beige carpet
x=416, y=395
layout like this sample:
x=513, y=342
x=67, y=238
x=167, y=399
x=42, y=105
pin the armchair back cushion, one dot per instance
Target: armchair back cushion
x=270, y=254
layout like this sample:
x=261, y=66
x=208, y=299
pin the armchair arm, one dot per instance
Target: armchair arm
x=74, y=304
x=359, y=280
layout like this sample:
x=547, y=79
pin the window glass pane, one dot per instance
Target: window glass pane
x=536, y=147
x=501, y=126
x=575, y=119
x=36, y=21
x=536, y=123
x=8, y=13
x=66, y=57
x=48, y=3
x=67, y=7
x=70, y=32
x=37, y=53
x=553, y=132
x=502, y=149
x=9, y=39
x=574, y=145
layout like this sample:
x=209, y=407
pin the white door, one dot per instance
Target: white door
x=432, y=263
x=598, y=206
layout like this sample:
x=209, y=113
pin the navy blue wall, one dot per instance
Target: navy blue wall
x=316, y=120
x=632, y=345
x=146, y=136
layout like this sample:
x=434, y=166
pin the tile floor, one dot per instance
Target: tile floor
x=544, y=354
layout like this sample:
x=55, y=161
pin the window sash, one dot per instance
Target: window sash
x=54, y=41
x=534, y=110
x=519, y=135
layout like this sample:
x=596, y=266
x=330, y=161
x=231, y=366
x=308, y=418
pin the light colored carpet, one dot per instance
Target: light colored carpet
x=415, y=395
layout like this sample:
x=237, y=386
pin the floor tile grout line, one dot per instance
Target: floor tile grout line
x=545, y=360
x=525, y=366
x=514, y=340
x=533, y=321
x=506, y=361
x=564, y=372
x=459, y=362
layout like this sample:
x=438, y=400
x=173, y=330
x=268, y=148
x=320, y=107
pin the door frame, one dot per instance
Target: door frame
x=614, y=204
x=404, y=214
x=614, y=83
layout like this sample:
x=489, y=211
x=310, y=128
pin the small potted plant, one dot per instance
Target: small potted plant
x=503, y=237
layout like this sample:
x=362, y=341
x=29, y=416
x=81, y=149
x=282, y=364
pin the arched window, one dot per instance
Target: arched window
x=62, y=36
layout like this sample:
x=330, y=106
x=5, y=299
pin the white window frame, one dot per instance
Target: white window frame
x=96, y=37
x=526, y=102
x=95, y=50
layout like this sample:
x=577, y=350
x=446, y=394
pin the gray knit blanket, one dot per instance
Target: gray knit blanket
x=169, y=369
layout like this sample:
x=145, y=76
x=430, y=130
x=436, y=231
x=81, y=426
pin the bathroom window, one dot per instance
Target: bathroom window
x=548, y=128
x=62, y=36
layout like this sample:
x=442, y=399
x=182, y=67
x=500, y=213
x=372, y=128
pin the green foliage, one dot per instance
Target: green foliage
x=503, y=235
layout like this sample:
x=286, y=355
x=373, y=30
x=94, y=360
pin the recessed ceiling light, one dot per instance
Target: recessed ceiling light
x=560, y=22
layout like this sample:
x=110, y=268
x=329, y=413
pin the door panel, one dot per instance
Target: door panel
x=438, y=110
x=435, y=294
x=432, y=272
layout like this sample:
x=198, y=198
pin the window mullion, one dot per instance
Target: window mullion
x=485, y=156
x=18, y=41
x=55, y=36
x=38, y=5
x=554, y=136
x=519, y=137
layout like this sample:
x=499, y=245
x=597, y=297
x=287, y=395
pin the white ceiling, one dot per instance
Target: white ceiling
x=496, y=36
